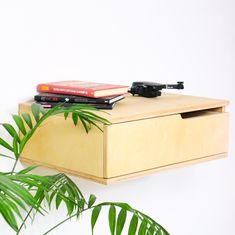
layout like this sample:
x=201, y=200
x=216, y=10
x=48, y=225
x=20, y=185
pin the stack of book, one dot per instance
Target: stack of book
x=99, y=95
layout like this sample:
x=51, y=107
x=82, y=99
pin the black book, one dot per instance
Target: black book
x=48, y=105
x=49, y=97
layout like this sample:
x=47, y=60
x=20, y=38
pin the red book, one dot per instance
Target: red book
x=88, y=89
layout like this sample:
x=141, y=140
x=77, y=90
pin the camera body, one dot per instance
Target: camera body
x=151, y=89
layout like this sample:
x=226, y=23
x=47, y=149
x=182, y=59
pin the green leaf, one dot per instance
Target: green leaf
x=133, y=225
x=58, y=200
x=64, y=189
x=25, y=180
x=125, y=206
x=85, y=125
x=42, y=110
x=46, y=195
x=11, y=130
x=5, y=144
x=91, y=200
x=159, y=232
x=15, y=147
x=26, y=139
x=96, y=117
x=7, y=185
x=89, y=120
x=152, y=230
x=94, y=217
x=52, y=196
x=8, y=215
x=19, y=122
x=39, y=195
x=112, y=219
x=16, y=200
x=143, y=227
x=74, y=187
x=80, y=107
x=27, y=119
x=75, y=118
x=66, y=114
x=121, y=221
x=26, y=170
x=12, y=205
x=69, y=204
x=36, y=111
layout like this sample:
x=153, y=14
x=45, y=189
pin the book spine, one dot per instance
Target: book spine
x=83, y=100
x=53, y=104
x=49, y=88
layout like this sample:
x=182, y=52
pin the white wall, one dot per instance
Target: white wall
x=120, y=42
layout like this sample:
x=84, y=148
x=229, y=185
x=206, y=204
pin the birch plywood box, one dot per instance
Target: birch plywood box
x=146, y=135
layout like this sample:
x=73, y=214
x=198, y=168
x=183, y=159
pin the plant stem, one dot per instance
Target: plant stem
x=26, y=217
x=63, y=221
x=3, y=155
x=14, y=166
x=57, y=225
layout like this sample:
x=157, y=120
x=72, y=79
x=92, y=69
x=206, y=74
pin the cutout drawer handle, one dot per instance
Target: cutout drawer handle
x=200, y=113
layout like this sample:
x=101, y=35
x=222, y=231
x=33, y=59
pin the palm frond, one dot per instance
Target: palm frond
x=79, y=112
x=14, y=194
x=139, y=223
x=63, y=189
x=22, y=190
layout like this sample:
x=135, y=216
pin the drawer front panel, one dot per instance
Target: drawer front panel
x=151, y=143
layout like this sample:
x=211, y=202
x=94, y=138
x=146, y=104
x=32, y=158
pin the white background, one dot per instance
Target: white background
x=120, y=42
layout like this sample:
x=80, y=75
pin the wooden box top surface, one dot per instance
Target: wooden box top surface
x=136, y=107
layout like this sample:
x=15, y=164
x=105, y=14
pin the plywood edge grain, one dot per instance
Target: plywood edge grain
x=105, y=151
x=134, y=175
x=64, y=170
x=167, y=167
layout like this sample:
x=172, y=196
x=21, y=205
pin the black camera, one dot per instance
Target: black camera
x=151, y=89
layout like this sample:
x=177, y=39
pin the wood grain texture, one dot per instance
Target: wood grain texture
x=136, y=108
x=146, y=135
x=162, y=168
x=155, y=142
x=133, y=175
x=58, y=142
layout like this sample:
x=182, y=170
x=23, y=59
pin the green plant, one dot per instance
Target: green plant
x=22, y=192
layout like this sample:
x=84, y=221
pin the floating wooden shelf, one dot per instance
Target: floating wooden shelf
x=146, y=135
